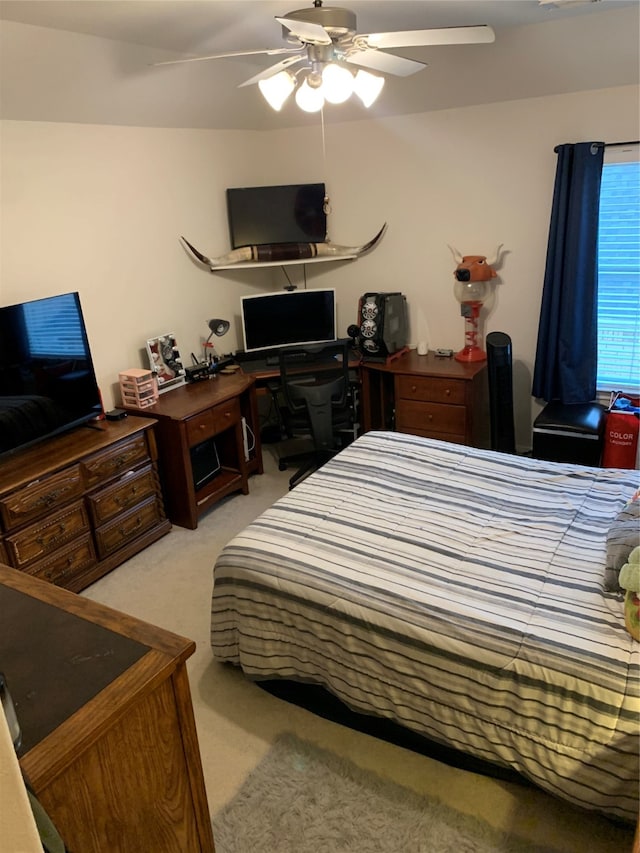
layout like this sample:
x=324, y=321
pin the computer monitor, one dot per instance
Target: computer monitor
x=292, y=317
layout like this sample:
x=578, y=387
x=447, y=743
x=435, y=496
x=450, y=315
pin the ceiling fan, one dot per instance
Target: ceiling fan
x=325, y=41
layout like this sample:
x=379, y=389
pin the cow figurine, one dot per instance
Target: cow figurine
x=475, y=267
x=472, y=274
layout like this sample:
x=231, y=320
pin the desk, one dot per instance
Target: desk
x=212, y=410
x=109, y=739
x=425, y=395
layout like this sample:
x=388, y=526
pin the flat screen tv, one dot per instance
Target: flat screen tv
x=283, y=214
x=47, y=379
x=291, y=317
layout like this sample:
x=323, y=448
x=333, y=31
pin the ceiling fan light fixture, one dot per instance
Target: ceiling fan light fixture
x=275, y=90
x=309, y=99
x=337, y=83
x=367, y=86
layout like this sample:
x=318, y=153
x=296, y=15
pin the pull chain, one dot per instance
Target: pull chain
x=326, y=206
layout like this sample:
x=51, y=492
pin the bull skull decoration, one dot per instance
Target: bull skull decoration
x=283, y=252
x=473, y=274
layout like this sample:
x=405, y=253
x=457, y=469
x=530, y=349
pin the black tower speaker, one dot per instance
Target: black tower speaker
x=383, y=325
x=499, y=367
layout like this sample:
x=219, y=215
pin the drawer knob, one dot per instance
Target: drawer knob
x=430, y=417
x=413, y=389
x=447, y=392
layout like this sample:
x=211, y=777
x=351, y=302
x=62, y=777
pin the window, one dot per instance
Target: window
x=619, y=271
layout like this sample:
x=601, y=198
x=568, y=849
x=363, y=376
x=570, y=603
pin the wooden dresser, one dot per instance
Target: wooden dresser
x=109, y=743
x=426, y=395
x=76, y=506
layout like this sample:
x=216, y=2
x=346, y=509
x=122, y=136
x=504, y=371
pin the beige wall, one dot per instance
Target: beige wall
x=99, y=209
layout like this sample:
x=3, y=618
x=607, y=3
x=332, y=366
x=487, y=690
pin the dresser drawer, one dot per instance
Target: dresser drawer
x=115, y=461
x=62, y=566
x=127, y=527
x=430, y=417
x=130, y=490
x=46, y=536
x=40, y=497
x=431, y=389
x=212, y=422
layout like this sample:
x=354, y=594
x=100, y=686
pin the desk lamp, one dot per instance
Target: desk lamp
x=217, y=328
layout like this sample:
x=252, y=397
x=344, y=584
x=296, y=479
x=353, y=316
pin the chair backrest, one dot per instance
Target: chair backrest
x=500, y=371
x=315, y=382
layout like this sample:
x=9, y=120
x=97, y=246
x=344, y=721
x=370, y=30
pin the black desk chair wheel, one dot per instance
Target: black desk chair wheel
x=316, y=387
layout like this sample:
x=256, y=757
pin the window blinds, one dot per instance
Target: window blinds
x=619, y=272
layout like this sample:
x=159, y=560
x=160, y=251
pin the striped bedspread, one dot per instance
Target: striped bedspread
x=458, y=592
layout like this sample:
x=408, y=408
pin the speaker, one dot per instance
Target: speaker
x=383, y=326
x=205, y=464
x=500, y=370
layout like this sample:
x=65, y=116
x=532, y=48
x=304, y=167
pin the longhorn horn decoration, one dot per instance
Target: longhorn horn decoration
x=493, y=262
x=457, y=257
x=283, y=252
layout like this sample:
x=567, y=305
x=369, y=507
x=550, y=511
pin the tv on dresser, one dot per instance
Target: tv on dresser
x=47, y=379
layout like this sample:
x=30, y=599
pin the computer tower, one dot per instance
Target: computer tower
x=205, y=464
x=383, y=325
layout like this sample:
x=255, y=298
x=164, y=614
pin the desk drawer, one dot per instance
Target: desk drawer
x=431, y=389
x=210, y=423
x=430, y=417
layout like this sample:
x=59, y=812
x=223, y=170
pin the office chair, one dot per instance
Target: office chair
x=319, y=402
x=500, y=372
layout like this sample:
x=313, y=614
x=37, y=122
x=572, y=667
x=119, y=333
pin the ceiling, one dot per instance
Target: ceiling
x=92, y=60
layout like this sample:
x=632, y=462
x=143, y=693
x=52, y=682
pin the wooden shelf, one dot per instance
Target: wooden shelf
x=247, y=265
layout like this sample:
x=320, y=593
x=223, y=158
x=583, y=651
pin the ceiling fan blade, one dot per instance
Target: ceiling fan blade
x=306, y=32
x=271, y=52
x=427, y=38
x=274, y=69
x=386, y=63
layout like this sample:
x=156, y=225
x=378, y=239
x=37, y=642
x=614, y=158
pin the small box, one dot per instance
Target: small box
x=569, y=432
x=138, y=388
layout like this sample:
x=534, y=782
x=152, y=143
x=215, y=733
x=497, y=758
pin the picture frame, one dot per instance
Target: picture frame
x=165, y=361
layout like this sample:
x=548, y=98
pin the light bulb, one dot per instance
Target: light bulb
x=277, y=89
x=367, y=86
x=308, y=99
x=337, y=83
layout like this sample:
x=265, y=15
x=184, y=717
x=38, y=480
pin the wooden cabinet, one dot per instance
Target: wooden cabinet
x=78, y=505
x=109, y=743
x=201, y=430
x=425, y=395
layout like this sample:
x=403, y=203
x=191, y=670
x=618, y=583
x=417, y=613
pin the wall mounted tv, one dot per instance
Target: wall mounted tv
x=283, y=214
x=285, y=318
x=47, y=380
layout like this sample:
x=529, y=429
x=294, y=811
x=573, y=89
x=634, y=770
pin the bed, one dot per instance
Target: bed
x=458, y=592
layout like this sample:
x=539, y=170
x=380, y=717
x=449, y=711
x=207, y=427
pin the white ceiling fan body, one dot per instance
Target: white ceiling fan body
x=321, y=34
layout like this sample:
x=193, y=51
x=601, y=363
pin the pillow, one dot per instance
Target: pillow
x=622, y=538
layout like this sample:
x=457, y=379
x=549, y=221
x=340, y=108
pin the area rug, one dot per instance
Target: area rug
x=303, y=799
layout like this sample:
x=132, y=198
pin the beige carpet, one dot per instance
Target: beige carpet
x=169, y=584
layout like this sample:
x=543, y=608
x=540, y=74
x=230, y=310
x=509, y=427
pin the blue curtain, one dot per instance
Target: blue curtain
x=566, y=354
